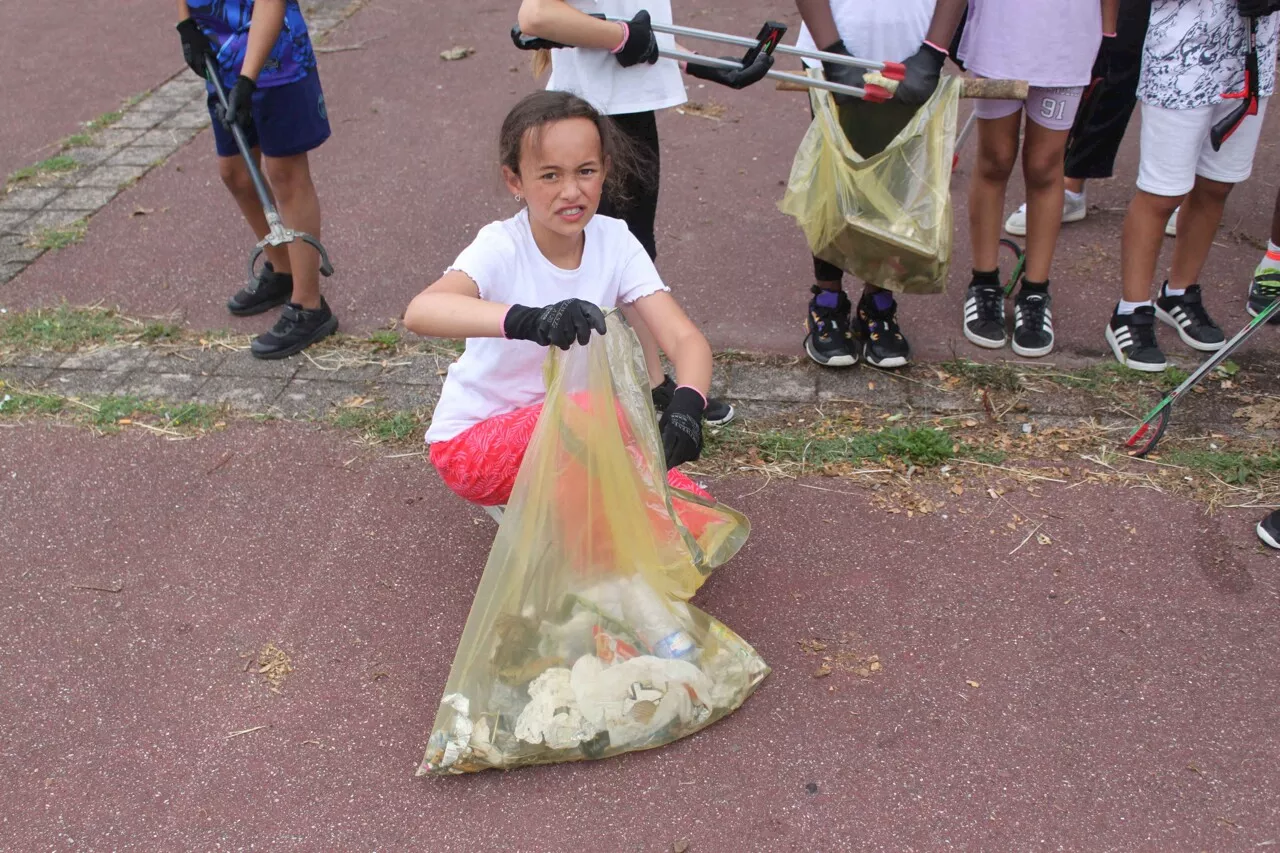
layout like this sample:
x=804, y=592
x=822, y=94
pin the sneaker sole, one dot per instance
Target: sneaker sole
x=1030, y=352
x=1020, y=230
x=330, y=326
x=258, y=308
x=1167, y=318
x=722, y=421
x=1266, y=537
x=833, y=361
x=1015, y=230
x=1075, y=216
x=985, y=343
x=1120, y=357
x=888, y=363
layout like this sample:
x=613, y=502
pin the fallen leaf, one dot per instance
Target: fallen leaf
x=875, y=666
x=680, y=847
x=142, y=211
x=957, y=489
x=1043, y=538
x=822, y=671
x=456, y=53
x=972, y=683
x=862, y=672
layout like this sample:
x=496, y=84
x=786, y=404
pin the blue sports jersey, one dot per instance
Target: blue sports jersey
x=226, y=23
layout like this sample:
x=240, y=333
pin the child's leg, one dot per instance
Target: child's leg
x=1049, y=116
x=290, y=179
x=997, y=153
x=235, y=177
x=1197, y=226
x=480, y=465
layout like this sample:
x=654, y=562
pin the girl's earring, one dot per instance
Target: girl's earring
x=519, y=199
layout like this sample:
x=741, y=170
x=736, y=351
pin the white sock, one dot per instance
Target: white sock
x=1074, y=195
x=1127, y=307
x=1169, y=291
x=1271, y=260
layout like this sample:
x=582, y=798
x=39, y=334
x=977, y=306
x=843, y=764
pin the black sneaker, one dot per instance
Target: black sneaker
x=1269, y=529
x=295, y=330
x=1186, y=314
x=1133, y=340
x=883, y=344
x=717, y=413
x=830, y=340
x=1263, y=290
x=984, y=315
x=263, y=293
x=1032, y=323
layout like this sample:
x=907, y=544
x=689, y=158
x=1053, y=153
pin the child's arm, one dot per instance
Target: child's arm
x=678, y=337
x=924, y=67
x=558, y=21
x=1110, y=17
x=195, y=44
x=264, y=29
x=452, y=308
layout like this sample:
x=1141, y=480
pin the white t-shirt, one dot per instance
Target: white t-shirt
x=495, y=376
x=1195, y=51
x=596, y=77
x=875, y=29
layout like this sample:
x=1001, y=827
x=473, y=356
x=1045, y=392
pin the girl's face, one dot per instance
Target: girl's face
x=562, y=176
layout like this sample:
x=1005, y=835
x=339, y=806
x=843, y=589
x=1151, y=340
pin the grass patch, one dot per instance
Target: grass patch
x=112, y=413
x=77, y=140
x=994, y=377
x=64, y=329
x=1234, y=468
x=104, y=121
x=378, y=426
x=53, y=239
x=58, y=163
x=923, y=446
x=385, y=339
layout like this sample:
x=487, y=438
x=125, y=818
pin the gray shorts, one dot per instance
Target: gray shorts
x=1052, y=109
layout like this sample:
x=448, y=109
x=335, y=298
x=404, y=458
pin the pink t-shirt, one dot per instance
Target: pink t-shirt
x=1048, y=43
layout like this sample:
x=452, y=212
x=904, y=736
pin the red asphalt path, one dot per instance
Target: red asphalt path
x=65, y=62
x=410, y=175
x=1126, y=673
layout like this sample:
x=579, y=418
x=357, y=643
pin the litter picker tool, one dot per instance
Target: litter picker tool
x=1248, y=96
x=278, y=234
x=1144, y=439
x=767, y=41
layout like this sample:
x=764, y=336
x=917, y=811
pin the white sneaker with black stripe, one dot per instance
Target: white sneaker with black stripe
x=1186, y=313
x=1132, y=338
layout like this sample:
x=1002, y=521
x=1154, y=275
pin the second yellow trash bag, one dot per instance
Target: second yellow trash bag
x=886, y=218
x=580, y=643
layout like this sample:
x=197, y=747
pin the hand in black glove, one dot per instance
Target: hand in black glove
x=1102, y=64
x=1257, y=8
x=641, y=44
x=195, y=46
x=240, y=104
x=681, y=427
x=738, y=78
x=923, y=68
x=557, y=325
x=847, y=75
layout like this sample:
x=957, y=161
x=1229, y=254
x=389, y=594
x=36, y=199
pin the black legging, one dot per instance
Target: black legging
x=1104, y=115
x=641, y=190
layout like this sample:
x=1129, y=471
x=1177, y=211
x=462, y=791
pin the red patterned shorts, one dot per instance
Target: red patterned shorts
x=480, y=464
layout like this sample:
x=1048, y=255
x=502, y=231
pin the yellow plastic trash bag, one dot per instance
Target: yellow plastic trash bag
x=580, y=643
x=885, y=218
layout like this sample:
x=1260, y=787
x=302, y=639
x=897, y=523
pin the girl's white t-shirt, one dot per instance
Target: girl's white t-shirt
x=596, y=77
x=495, y=376
x=875, y=29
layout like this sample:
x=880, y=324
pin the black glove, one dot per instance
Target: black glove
x=923, y=68
x=195, y=46
x=240, y=104
x=1102, y=64
x=737, y=78
x=848, y=75
x=641, y=45
x=681, y=427
x=1257, y=8
x=557, y=325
